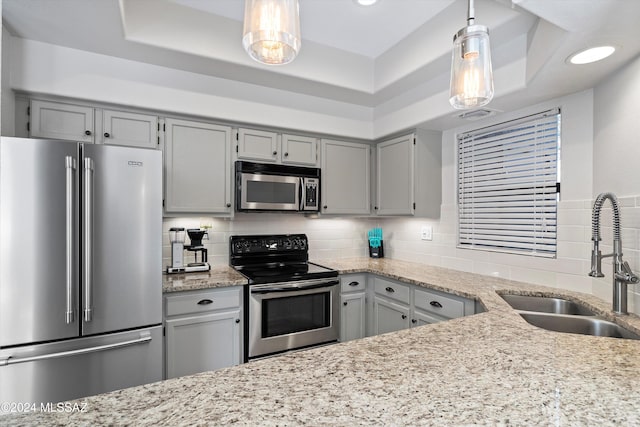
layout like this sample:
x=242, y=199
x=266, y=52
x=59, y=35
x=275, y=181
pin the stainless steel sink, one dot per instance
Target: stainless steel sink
x=547, y=305
x=586, y=325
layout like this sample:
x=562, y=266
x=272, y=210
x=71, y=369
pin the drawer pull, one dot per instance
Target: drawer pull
x=354, y=283
x=389, y=289
x=344, y=303
x=436, y=304
x=404, y=316
x=414, y=321
x=205, y=301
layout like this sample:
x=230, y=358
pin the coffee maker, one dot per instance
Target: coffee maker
x=177, y=237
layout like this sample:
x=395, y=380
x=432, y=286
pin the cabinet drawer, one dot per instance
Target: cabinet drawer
x=353, y=282
x=438, y=304
x=202, y=302
x=391, y=290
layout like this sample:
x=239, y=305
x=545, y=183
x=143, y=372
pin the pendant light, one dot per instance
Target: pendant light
x=271, y=32
x=471, y=74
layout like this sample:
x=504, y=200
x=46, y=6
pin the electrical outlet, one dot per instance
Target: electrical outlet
x=426, y=232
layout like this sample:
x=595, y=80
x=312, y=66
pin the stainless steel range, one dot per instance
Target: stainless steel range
x=290, y=303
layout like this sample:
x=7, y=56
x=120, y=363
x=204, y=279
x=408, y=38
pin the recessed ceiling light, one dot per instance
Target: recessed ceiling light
x=366, y=2
x=591, y=55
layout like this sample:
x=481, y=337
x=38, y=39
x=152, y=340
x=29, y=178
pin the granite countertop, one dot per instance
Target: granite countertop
x=491, y=368
x=217, y=277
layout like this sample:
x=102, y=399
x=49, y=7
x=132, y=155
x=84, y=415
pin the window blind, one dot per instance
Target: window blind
x=508, y=186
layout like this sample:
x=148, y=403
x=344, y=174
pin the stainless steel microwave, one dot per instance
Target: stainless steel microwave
x=268, y=187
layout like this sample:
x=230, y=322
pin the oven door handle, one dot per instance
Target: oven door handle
x=288, y=287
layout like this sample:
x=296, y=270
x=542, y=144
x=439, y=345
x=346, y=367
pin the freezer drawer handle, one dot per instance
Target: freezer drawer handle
x=88, y=237
x=70, y=165
x=144, y=338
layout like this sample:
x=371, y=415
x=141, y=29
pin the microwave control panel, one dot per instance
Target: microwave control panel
x=310, y=194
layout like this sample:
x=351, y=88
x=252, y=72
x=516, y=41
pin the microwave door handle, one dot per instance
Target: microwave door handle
x=301, y=194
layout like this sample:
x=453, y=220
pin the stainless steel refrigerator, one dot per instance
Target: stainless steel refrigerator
x=80, y=269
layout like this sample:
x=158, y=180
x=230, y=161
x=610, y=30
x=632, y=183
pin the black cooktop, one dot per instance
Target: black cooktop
x=275, y=258
x=273, y=273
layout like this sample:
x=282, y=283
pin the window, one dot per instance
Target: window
x=509, y=186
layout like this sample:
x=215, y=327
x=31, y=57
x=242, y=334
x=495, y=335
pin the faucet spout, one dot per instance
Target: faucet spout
x=622, y=274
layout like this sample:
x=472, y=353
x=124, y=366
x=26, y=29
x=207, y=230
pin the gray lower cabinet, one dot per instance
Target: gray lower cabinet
x=399, y=305
x=203, y=331
x=198, y=168
x=391, y=306
x=353, y=306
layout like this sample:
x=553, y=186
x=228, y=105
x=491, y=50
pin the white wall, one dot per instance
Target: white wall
x=590, y=157
x=616, y=164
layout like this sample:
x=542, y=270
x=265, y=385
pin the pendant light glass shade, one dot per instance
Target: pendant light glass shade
x=271, y=32
x=471, y=73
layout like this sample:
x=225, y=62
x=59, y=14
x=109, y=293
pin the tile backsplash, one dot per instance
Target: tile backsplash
x=328, y=237
x=569, y=270
x=346, y=237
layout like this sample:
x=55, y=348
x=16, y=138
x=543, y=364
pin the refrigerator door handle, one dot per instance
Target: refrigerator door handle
x=144, y=338
x=88, y=238
x=70, y=166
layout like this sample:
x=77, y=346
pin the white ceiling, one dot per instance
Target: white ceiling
x=393, y=58
x=344, y=24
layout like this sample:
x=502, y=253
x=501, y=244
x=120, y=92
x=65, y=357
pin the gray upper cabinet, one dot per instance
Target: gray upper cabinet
x=299, y=150
x=271, y=147
x=258, y=145
x=395, y=179
x=197, y=168
x=61, y=121
x=130, y=129
x=409, y=175
x=345, y=177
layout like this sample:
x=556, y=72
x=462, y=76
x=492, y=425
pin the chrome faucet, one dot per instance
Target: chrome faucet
x=622, y=274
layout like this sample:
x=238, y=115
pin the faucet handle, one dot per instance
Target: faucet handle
x=626, y=274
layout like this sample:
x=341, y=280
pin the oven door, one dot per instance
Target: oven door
x=270, y=192
x=289, y=315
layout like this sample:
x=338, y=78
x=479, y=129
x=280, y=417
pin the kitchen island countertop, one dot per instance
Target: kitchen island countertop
x=491, y=368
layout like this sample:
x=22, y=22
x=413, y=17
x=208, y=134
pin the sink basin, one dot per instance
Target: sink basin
x=546, y=305
x=578, y=325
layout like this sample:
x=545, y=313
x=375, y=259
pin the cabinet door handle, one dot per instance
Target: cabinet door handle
x=436, y=304
x=414, y=321
x=375, y=208
x=275, y=152
x=389, y=289
x=205, y=301
x=106, y=135
x=87, y=132
x=237, y=320
x=344, y=303
x=324, y=207
x=404, y=316
x=286, y=154
x=228, y=205
x=354, y=283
